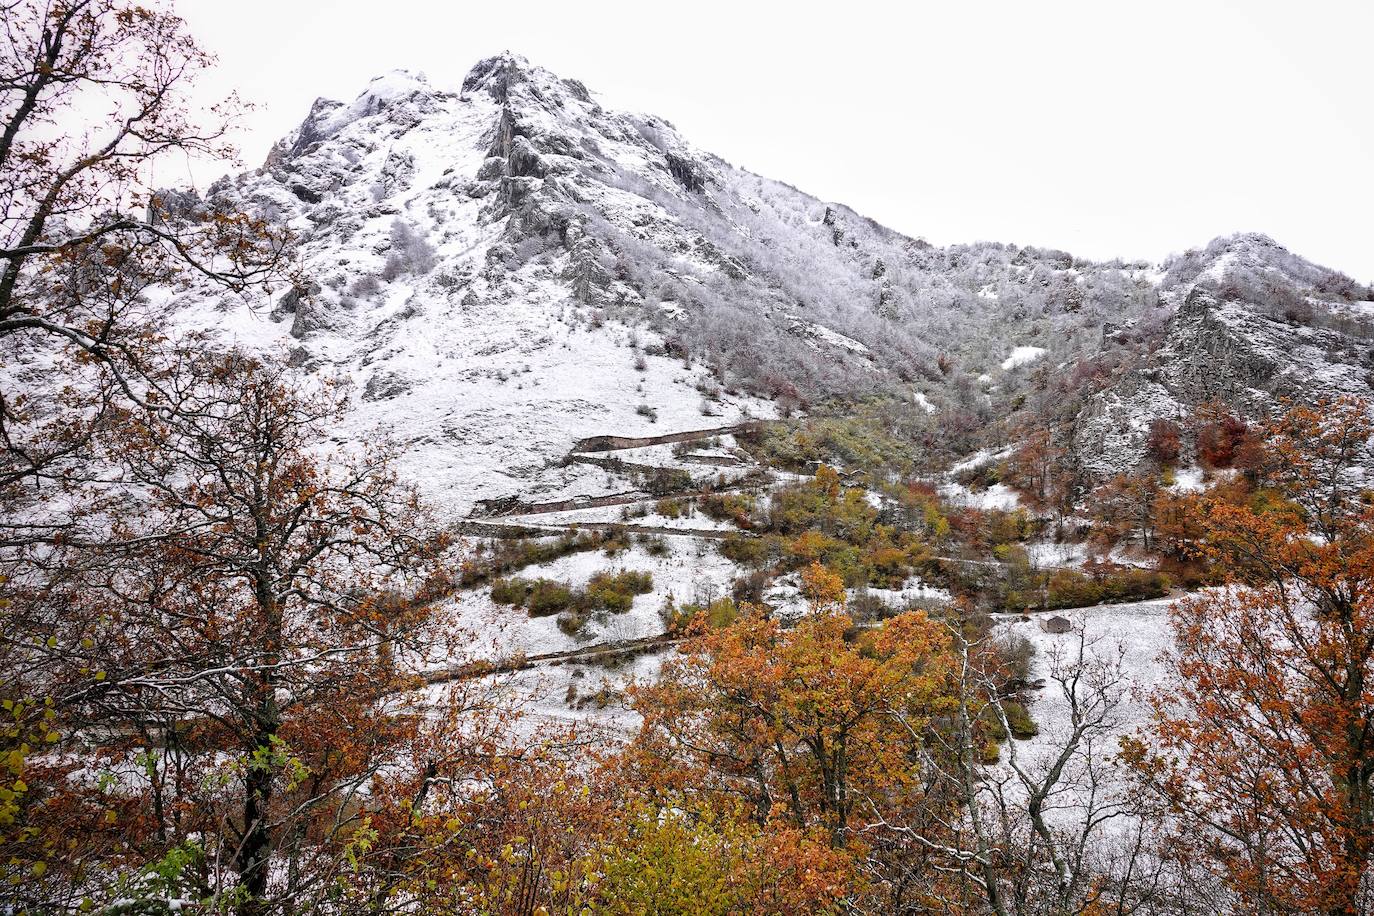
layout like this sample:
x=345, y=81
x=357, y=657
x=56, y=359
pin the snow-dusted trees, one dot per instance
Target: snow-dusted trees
x=411, y=252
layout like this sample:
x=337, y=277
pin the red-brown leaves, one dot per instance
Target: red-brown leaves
x=1262, y=742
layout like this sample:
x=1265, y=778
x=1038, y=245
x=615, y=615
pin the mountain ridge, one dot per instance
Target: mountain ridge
x=458, y=241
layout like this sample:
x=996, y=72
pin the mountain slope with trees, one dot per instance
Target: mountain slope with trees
x=514, y=256
x=239, y=667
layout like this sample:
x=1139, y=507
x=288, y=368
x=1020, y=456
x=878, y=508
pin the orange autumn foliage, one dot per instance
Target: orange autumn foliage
x=798, y=721
x=1262, y=739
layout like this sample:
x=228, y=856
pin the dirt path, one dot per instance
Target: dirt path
x=713, y=534
x=510, y=508
x=617, y=443
x=598, y=652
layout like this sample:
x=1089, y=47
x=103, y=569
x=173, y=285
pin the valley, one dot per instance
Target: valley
x=494, y=503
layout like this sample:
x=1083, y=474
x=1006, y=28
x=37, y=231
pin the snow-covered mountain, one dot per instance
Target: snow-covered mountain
x=505, y=269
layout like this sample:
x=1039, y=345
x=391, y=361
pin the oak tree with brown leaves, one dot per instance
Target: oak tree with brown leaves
x=1262, y=740
x=240, y=650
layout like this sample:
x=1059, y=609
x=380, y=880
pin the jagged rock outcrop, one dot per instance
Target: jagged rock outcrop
x=1224, y=350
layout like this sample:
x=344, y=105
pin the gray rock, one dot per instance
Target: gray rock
x=385, y=385
x=304, y=305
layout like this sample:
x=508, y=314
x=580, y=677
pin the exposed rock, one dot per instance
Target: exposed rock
x=588, y=276
x=832, y=220
x=493, y=169
x=384, y=385
x=1219, y=350
x=305, y=305
x=687, y=173
x=172, y=204
x=523, y=159
x=306, y=194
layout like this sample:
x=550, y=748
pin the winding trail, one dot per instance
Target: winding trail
x=598, y=652
x=620, y=443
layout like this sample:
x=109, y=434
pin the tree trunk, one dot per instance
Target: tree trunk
x=256, y=848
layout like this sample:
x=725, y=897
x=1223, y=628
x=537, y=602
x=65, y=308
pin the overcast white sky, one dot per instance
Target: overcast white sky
x=1106, y=128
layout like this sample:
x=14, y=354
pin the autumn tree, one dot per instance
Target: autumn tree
x=1262, y=738
x=1126, y=505
x=93, y=95
x=1032, y=465
x=1222, y=437
x=1043, y=472
x=236, y=638
x=799, y=723
x=1165, y=441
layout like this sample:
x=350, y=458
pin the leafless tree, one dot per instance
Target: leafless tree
x=1050, y=828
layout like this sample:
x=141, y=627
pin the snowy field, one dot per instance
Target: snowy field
x=692, y=570
x=1137, y=633
x=1124, y=639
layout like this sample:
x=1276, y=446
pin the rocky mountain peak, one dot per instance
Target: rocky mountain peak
x=472, y=253
x=509, y=77
x=495, y=75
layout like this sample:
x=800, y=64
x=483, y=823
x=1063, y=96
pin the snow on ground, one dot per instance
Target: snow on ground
x=639, y=514
x=1049, y=553
x=1139, y=631
x=482, y=435
x=689, y=521
x=818, y=332
x=923, y=402
x=1135, y=634
x=912, y=590
x=692, y=570
x=589, y=696
x=666, y=455
x=785, y=596
x=784, y=593
x=1022, y=356
x=979, y=458
x=997, y=496
x=1188, y=480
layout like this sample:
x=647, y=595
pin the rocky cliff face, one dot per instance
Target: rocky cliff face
x=1234, y=340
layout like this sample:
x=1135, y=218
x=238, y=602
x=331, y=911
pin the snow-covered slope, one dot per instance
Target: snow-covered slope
x=506, y=268
x=486, y=363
